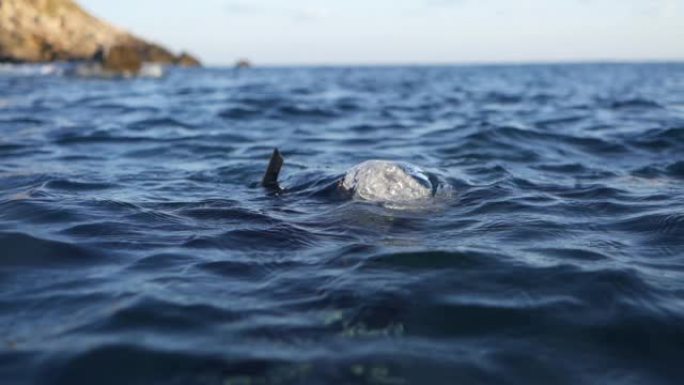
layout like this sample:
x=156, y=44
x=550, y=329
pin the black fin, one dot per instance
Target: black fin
x=271, y=177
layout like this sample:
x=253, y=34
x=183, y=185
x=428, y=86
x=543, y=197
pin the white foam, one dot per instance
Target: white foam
x=152, y=70
x=31, y=69
x=387, y=181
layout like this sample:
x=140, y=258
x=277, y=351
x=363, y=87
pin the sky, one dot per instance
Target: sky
x=367, y=32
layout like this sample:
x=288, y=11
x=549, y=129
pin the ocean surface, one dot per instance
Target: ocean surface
x=137, y=246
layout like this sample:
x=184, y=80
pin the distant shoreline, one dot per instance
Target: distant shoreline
x=455, y=64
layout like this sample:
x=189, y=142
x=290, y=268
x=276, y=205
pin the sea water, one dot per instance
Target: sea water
x=138, y=247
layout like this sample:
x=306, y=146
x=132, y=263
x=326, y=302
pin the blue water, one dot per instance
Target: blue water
x=137, y=247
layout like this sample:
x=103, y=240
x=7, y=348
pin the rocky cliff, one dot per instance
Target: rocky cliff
x=50, y=30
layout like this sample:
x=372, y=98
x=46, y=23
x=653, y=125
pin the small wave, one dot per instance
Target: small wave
x=295, y=111
x=655, y=173
x=576, y=254
x=240, y=270
x=561, y=121
x=428, y=260
x=596, y=146
x=281, y=237
x=567, y=168
x=11, y=149
x=670, y=225
x=101, y=230
x=71, y=185
x=597, y=191
x=100, y=137
x=24, y=121
x=146, y=124
x=225, y=214
x=636, y=103
x=164, y=260
x=143, y=365
x=240, y=113
x=156, y=315
x=20, y=249
x=502, y=98
x=676, y=169
x=33, y=211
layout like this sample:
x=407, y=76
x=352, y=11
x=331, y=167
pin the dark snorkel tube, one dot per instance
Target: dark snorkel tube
x=270, y=180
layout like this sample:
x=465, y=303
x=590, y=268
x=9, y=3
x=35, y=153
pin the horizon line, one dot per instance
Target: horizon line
x=452, y=63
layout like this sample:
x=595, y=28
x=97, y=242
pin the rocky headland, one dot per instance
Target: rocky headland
x=39, y=31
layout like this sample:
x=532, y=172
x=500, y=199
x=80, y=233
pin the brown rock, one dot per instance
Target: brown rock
x=123, y=59
x=187, y=60
x=153, y=53
x=243, y=63
x=49, y=30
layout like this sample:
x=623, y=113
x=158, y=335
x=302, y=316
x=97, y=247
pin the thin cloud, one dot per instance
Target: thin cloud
x=295, y=14
x=444, y=3
x=309, y=14
x=240, y=7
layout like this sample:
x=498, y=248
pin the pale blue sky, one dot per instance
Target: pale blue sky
x=406, y=31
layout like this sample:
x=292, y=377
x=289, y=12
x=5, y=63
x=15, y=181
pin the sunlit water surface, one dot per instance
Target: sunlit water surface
x=137, y=247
